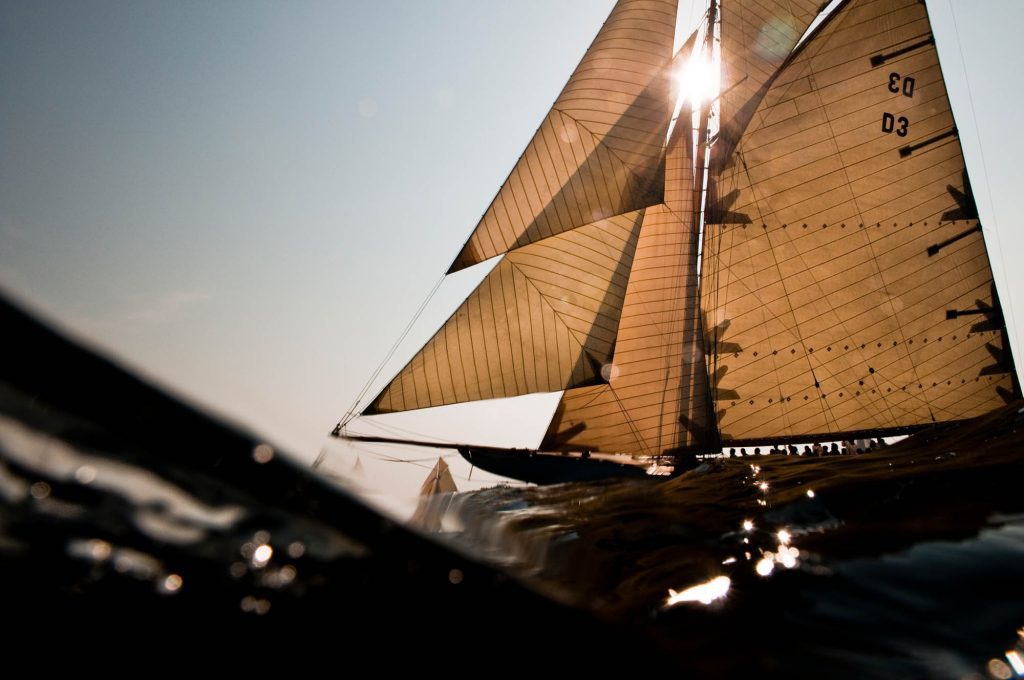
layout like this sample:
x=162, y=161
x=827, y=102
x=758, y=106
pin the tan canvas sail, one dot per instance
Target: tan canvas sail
x=543, y=320
x=434, y=497
x=439, y=480
x=847, y=284
x=654, y=400
x=757, y=36
x=598, y=152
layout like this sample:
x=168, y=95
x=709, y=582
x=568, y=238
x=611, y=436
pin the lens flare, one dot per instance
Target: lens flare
x=698, y=79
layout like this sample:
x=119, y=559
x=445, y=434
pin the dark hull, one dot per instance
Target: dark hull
x=547, y=468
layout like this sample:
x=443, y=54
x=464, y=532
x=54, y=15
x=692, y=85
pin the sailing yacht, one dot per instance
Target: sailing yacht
x=799, y=258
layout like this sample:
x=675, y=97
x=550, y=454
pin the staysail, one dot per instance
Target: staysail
x=847, y=282
x=598, y=153
x=543, y=320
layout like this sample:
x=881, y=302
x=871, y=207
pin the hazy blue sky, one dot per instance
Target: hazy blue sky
x=248, y=200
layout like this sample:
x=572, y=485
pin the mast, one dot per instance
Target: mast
x=713, y=441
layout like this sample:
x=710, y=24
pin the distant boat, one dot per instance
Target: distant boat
x=795, y=258
x=435, y=496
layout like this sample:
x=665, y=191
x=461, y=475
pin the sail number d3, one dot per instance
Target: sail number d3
x=908, y=84
x=898, y=84
x=890, y=122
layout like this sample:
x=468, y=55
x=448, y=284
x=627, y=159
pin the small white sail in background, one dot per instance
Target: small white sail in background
x=435, y=497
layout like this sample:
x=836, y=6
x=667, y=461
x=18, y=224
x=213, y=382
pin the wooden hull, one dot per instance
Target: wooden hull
x=552, y=468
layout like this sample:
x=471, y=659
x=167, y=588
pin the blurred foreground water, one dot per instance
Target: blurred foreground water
x=125, y=515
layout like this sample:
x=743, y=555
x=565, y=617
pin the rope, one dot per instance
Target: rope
x=1005, y=288
x=352, y=410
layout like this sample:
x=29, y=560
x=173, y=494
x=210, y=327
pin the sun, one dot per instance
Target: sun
x=698, y=79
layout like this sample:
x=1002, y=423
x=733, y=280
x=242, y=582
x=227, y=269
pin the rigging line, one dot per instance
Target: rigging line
x=839, y=356
x=874, y=256
x=871, y=249
x=351, y=413
x=782, y=280
x=419, y=435
x=629, y=422
x=904, y=284
x=981, y=286
x=425, y=463
x=833, y=282
x=984, y=172
x=912, y=396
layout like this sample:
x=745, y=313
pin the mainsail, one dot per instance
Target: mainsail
x=847, y=279
x=841, y=284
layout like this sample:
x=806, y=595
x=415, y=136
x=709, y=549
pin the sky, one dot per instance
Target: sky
x=246, y=202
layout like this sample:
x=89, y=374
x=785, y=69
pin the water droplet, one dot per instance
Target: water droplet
x=171, y=584
x=261, y=555
x=85, y=474
x=263, y=453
